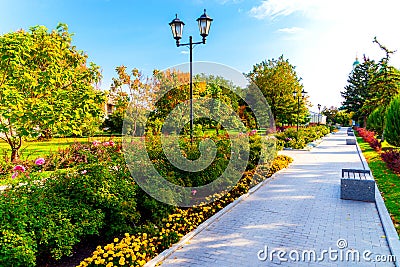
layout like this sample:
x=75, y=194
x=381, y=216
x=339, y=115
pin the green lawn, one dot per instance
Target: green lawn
x=387, y=181
x=34, y=149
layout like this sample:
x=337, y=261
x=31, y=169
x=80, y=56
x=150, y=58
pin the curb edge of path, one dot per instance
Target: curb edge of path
x=166, y=253
x=388, y=227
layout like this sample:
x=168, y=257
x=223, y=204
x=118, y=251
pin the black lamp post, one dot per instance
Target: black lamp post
x=295, y=94
x=319, y=112
x=177, y=28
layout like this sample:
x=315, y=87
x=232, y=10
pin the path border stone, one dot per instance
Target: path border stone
x=388, y=227
x=166, y=253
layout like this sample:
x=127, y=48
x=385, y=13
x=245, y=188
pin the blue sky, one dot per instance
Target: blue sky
x=320, y=37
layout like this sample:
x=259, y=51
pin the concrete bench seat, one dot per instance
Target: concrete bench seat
x=358, y=185
x=351, y=141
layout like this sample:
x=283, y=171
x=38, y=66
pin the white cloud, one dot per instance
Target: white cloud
x=184, y=52
x=276, y=8
x=291, y=30
x=336, y=31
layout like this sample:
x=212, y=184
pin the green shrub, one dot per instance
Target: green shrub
x=299, y=139
x=392, y=128
x=17, y=250
x=376, y=121
x=296, y=143
x=49, y=218
x=115, y=121
x=191, y=151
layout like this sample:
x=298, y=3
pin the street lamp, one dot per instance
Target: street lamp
x=295, y=94
x=319, y=111
x=204, y=22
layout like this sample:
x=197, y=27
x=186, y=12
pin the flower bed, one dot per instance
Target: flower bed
x=89, y=193
x=391, y=157
x=46, y=220
x=152, y=239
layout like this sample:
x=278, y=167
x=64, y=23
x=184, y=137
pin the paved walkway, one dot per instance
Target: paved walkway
x=299, y=210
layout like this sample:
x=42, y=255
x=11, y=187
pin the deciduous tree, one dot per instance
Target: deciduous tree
x=140, y=95
x=277, y=79
x=46, y=85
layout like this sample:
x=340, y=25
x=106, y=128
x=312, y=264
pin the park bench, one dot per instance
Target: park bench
x=357, y=185
x=351, y=141
x=350, y=131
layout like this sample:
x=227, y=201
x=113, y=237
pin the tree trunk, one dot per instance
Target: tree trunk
x=134, y=128
x=14, y=154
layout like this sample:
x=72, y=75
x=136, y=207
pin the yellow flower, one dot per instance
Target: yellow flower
x=121, y=261
x=110, y=264
x=116, y=240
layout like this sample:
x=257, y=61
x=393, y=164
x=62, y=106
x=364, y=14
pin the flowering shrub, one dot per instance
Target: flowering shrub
x=252, y=132
x=392, y=159
x=40, y=161
x=47, y=219
x=79, y=153
x=369, y=137
x=94, y=195
x=298, y=140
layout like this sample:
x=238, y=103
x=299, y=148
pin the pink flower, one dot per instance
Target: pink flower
x=194, y=191
x=95, y=143
x=19, y=168
x=252, y=132
x=15, y=174
x=106, y=143
x=40, y=161
x=84, y=172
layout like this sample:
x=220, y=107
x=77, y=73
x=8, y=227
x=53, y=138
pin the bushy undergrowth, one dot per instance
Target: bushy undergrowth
x=290, y=138
x=151, y=239
x=47, y=218
x=90, y=192
x=369, y=137
x=392, y=159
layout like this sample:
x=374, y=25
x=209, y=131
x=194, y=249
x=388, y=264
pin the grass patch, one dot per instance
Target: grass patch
x=387, y=181
x=31, y=150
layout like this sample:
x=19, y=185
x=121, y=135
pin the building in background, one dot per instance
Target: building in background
x=317, y=118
